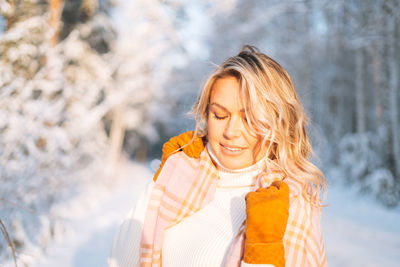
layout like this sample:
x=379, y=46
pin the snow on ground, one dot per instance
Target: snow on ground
x=357, y=230
x=89, y=237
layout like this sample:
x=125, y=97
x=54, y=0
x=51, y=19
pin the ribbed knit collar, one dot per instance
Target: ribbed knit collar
x=236, y=177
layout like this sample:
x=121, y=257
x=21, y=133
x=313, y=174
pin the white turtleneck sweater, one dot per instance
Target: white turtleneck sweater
x=200, y=240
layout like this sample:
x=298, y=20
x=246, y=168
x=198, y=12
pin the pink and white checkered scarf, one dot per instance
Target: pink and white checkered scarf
x=185, y=185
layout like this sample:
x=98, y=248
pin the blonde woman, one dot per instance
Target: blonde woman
x=240, y=190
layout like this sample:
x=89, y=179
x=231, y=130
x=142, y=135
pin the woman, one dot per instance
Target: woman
x=250, y=197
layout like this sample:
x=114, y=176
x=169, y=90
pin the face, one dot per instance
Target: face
x=234, y=145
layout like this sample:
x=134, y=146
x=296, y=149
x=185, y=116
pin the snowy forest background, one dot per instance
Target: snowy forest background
x=88, y=84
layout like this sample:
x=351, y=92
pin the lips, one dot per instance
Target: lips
x=232, y=149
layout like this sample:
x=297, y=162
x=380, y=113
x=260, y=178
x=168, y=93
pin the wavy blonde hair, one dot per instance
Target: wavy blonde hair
x=273, y=111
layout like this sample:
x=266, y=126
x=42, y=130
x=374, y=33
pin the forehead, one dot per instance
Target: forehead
x=226, y=92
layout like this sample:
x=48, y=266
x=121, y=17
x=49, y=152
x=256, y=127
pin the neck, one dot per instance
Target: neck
x=221, y=167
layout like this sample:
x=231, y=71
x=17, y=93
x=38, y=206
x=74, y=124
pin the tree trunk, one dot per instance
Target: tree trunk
x=377, y=78
x=141, y=152
x=308, y=94
x=345, y=65
x=116, y=136
x=55, y=18
x=386, y=93
x=10, y=15
x=394, y=94
x=360, y=92
x=9, y=23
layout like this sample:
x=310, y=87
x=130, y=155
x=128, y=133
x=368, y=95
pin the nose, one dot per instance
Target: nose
x=233, y=128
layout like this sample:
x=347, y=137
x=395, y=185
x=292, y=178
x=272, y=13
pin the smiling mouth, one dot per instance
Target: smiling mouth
x=233, y=149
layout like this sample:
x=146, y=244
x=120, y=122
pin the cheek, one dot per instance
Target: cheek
x=253, y=142
x=214, y=130
x=254, y=145
x=210, y=130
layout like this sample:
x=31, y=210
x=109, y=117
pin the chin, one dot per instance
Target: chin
x=231, y=164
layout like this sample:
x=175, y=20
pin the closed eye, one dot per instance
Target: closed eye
x=219, y=117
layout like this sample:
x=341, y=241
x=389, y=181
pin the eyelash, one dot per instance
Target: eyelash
x=219, y=118
x=224, y=117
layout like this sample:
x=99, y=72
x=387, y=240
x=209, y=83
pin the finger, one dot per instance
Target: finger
x=194, y=148
x=261, y=190
x=184, y=138
x=169, y=147
x=284, y=190
x=277, y=184
x=272, y=189
x=266, y=192
x=251, y=195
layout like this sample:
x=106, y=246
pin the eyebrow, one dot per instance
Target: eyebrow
x=224, y=108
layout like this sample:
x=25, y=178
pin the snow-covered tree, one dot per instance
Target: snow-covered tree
x=342, y=56
x=67, y=99
x=81, y=81
x=53, y=97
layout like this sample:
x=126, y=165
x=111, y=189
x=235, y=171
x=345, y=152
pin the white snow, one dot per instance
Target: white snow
x=94, y=217
x=357, y=231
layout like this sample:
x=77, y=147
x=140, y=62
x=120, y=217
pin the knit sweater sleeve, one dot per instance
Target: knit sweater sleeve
x=125, y=248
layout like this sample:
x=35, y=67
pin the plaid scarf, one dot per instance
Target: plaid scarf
x=185, y=185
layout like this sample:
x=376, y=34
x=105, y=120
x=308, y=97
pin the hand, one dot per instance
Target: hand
x=193, y=150
x=178, y=143
x=267, y=211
